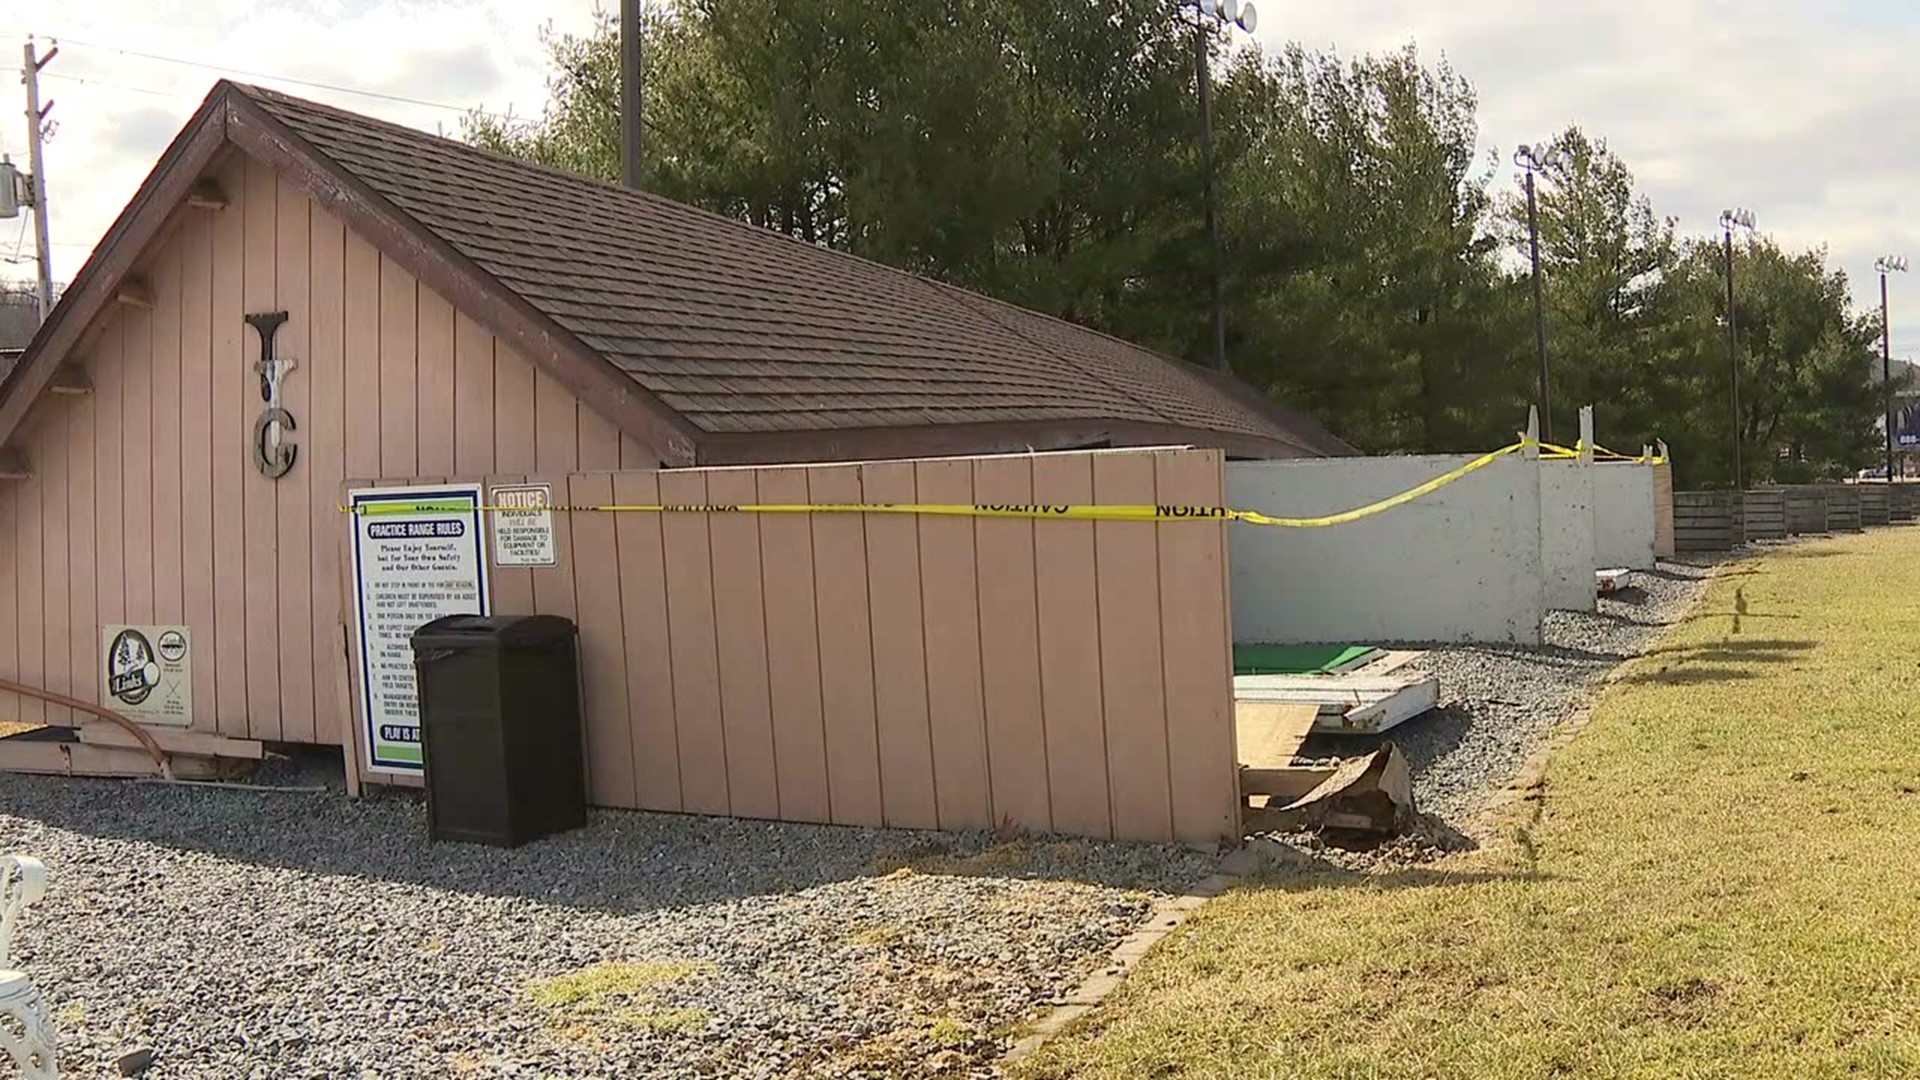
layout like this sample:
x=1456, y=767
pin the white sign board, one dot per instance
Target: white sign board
x=523, y=525
x=417, y=555
x=148, y=673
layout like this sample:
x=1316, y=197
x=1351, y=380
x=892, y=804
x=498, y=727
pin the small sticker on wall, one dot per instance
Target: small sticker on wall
x=149, y=673
x=523, y=525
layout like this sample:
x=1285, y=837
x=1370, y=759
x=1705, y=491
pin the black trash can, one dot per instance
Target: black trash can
x=500, y=727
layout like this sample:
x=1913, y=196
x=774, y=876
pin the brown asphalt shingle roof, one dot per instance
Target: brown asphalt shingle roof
x=740, y=330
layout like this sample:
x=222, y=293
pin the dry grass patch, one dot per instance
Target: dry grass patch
x=1719, y=881
x=608, y=999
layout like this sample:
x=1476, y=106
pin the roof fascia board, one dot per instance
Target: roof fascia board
x=601, y=386
x=956, y=440
x=133, y=232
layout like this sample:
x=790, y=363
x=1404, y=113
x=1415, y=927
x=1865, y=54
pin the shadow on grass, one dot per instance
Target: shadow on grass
x=1801, y=552
x=1688, y=677
x=1757, y=649
x=1724, y=661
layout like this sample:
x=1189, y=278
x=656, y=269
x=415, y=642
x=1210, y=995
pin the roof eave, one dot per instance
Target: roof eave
x=997, y=437
x=139, y=223
x=598, y=383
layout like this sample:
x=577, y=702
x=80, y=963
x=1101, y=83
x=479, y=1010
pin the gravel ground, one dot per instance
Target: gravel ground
x=1496, y=702
x=284, y=935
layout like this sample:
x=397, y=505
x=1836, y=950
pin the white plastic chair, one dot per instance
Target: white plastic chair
x=26, y=1032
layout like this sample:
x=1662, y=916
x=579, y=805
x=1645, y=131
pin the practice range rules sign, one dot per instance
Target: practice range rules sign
x=410, y=567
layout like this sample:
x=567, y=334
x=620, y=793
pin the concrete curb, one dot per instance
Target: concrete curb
x=1166, y=917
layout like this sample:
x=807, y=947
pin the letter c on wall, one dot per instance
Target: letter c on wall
x=273, y=456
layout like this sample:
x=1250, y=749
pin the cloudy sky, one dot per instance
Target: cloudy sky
x=1803, y=111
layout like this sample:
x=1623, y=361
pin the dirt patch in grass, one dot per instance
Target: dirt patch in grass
x=1711, y=879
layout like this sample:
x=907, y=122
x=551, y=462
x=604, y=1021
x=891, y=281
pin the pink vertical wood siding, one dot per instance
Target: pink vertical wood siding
x=146, y=507
x=877, y=670
x=293, y=493
x=923, y=672
x=881, y=670
x=855, y=788
x=259, y=496
x=1010, y=647
x=793, y=649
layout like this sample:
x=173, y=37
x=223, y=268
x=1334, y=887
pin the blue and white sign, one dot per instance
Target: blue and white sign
x=417, y=555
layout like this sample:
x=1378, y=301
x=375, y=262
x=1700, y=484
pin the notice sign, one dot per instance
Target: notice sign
x=149, y=673
x=523, y=525
x=417, y=555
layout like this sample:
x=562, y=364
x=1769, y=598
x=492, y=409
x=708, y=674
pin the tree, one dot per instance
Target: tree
x=1605, y=260
x=1047, y=154
x=1364, y=276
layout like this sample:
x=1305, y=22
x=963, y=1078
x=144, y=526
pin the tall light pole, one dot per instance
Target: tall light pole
x=632, y=76
x=1884, y=265
x=1739, y=217
x=1236, y=13
x=1532, y=160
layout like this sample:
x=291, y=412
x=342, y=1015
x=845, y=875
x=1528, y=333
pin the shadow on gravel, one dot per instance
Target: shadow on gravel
x=622, y=862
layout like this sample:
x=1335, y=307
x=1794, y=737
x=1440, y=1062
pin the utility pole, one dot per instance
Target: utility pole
x=631, y=93
x=36, y=161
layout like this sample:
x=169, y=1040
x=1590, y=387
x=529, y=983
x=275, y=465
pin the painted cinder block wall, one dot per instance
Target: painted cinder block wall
x=1567, y=553
x=1624, y=499
x=1064, y=675
x=1461, y=564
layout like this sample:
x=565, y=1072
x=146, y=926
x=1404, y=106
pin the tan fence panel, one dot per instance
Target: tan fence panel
x=846, y=650
x=906, y=671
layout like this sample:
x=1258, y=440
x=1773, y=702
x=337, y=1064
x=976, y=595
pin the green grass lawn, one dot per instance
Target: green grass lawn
x=1721, y=880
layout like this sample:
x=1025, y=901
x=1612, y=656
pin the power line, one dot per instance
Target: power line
x=400, y=98
x=121, y=86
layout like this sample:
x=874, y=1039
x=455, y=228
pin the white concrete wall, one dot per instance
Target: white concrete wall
x=1566, y=534
x=1623, y=515
x=1461, y=564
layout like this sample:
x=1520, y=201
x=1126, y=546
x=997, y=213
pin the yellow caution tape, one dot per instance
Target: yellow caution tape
x=1600, y=453
x=1031, y=511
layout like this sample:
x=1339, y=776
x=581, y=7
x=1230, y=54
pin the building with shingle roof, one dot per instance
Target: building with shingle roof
x=809, y=514
x=705, y=339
